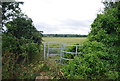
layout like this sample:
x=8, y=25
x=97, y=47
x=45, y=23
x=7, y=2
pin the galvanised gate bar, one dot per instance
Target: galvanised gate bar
x=56, y=51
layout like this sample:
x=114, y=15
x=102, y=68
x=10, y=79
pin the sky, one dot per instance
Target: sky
x=62, y=16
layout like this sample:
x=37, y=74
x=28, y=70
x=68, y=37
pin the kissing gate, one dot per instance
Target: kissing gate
x=57, y=51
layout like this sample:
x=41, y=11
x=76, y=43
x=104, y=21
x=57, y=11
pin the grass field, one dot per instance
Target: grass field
x=75, y=40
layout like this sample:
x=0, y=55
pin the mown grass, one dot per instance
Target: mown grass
x=74, y=40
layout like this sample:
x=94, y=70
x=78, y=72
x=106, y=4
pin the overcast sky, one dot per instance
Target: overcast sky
x=62, y=16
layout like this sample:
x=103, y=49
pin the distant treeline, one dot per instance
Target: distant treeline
x=63, y=35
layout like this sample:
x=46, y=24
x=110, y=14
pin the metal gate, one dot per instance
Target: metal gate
x=56, y=51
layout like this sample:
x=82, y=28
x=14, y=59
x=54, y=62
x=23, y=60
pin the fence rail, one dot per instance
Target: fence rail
x=69, y=52
x=59, y=52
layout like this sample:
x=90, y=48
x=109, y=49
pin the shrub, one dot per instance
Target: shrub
x=29, y=51
x=71, y=49
x=93, y=62
x=99, y=57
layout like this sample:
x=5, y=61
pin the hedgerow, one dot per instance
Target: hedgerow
x=98, y=58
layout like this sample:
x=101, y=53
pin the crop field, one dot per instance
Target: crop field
x=75, y=40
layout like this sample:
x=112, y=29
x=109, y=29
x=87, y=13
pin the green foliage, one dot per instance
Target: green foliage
x=25, y=26
x=8, y=61
x=71, y=49
x=93, y=62
x=19, y=71
x=10, y=10
x=52, y=70
x=28, y=72
x=106, y=27
x=9, y=43
x=18, y=52
x=99, y=56
x=29, y=51
x=21, y=43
